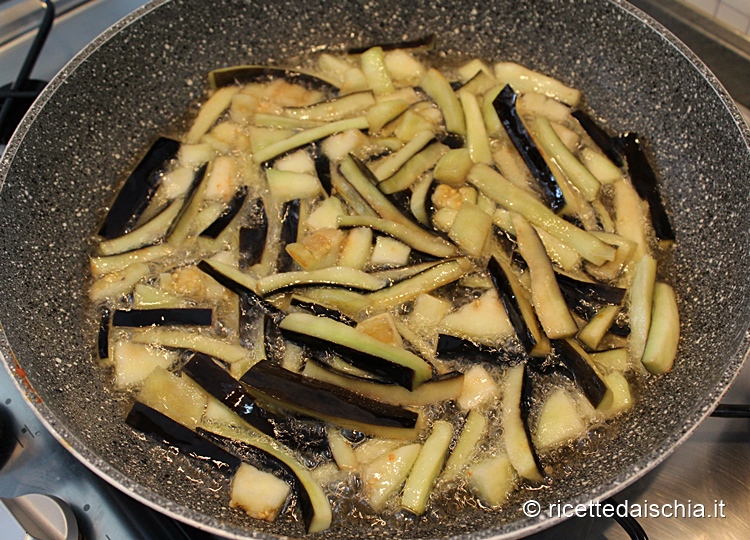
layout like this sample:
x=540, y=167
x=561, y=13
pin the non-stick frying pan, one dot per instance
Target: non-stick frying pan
x=136, y=81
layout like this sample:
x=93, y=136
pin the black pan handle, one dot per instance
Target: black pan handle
x=629, y=524
x=730, y=410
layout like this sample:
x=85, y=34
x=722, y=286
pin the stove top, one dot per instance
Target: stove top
x=710, y=471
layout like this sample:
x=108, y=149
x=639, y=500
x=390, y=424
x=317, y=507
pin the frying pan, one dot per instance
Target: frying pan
x=135, y=82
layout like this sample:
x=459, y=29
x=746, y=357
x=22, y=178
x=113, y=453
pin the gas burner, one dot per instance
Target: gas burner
x=17, y=97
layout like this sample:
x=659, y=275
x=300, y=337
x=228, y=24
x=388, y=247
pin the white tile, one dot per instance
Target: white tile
x=733, y=18
x=743, y=6
x=708, y=6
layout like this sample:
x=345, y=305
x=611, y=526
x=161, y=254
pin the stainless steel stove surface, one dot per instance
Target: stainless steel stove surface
x=710, y=471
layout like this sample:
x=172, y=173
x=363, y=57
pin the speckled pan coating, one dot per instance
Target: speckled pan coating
x=135, y=82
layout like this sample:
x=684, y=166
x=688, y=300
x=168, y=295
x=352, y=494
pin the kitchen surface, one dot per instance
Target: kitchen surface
x=711, y=469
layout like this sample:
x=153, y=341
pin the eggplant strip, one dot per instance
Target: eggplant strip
x=307, y=136
x=511, y=197
x=411, y=235
x=329, y=402
x=135, y=194
x=343, y=336
x=316, y=509
x=341, y=276
x=505, y=106
x=226, y=217
x=148, y=233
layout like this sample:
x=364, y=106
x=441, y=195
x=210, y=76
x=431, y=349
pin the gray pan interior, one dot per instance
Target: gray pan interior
x=135, y=82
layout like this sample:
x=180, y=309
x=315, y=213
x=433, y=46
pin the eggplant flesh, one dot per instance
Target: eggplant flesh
x=162, y=428
x=139, y=188
x=645, y=183
x=323, y=398
x=163, y=317
x=505, y=106
x=226, y=217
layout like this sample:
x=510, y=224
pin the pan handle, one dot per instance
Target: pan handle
x=628, y=523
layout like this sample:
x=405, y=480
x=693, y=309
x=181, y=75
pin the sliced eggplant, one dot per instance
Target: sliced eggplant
x=505, y=106
x=253, y=237
x=162, y=428
x=103, y=335
x=308, y=136
x=516, y=199
x=321, y=310
x=424, y=43
x=457, y=348
x=591, y=292
x=426, y=468
x=329, y=402
x=226, y=217
x=599, y=136
x=517, y=442
x=289, y=228
x=357, y=348
x=139, y=188
x=237, y=282
x=288, y=430
x=444, y=388
x=163, y=317
x=322, y=168
x=241, y=75
x=316, y=510
x=645, y=183
x=339, y=276
x=582, y=369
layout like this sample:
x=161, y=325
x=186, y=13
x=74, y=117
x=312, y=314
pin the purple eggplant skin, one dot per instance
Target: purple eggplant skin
x=226, y=217
x=324, y=398
x=308, y=438
x=508, y=299
x=273, y=341
x=218, y=382
x=258, y=74
x=322, y=311
x=322, y=168
x=162, y=428
x=456, y=348
x=527, y=401
x=597, y=293
x=644, y=181
x=289, y=227
x=253, y=238
x=602, y=139
x=425, y=43
x=505, y=106
x=103, y=335
x=583, y=374
x=252, y=298
x=135, y=318
x=139, y=188
x=383, y=369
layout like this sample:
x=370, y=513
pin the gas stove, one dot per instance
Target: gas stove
x=711, y=470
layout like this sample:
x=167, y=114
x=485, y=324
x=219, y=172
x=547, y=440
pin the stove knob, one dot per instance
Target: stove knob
x=37, y=517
